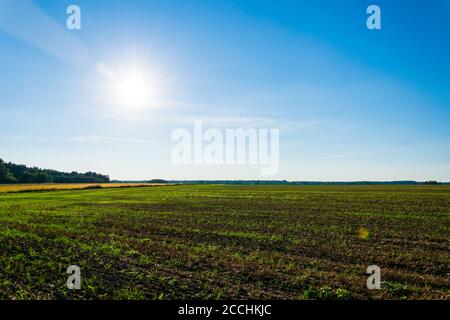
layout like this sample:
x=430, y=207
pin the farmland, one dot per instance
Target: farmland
x=67, y=186
x=224, y=242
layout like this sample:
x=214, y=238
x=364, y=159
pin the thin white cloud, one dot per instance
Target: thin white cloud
x=107, y=139
x=24, y=20
x=86, y=139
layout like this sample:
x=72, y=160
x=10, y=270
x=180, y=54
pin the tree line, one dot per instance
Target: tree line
x=18, y=173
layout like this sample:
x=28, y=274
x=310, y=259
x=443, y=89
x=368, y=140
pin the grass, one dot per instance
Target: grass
x=220, y=242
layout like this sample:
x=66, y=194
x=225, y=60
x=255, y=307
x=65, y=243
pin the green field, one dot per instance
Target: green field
x=219, y=242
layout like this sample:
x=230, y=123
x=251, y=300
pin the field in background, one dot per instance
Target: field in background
x=68, y=186
x=217, y=242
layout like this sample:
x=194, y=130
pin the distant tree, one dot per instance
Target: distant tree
x=5, y=175
x=42, y=177
x=14, y=173
x=158, y=181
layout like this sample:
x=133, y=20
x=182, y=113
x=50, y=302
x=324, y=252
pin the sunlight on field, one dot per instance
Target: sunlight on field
x=226, y=242
x=69, y=186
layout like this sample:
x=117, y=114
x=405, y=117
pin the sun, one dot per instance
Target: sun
x=132, y=88
x=129, y=87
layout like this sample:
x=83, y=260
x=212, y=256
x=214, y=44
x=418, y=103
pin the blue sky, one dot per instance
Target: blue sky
x=350, y=103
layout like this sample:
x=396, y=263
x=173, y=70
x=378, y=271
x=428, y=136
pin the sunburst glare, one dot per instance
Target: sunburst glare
x=129, y=87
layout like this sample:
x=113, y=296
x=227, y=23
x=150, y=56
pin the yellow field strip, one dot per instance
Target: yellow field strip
x=70, y=186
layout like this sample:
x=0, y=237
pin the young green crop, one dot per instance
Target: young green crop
x=220, y=242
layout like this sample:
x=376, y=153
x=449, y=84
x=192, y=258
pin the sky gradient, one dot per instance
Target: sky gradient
x=350, y=103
